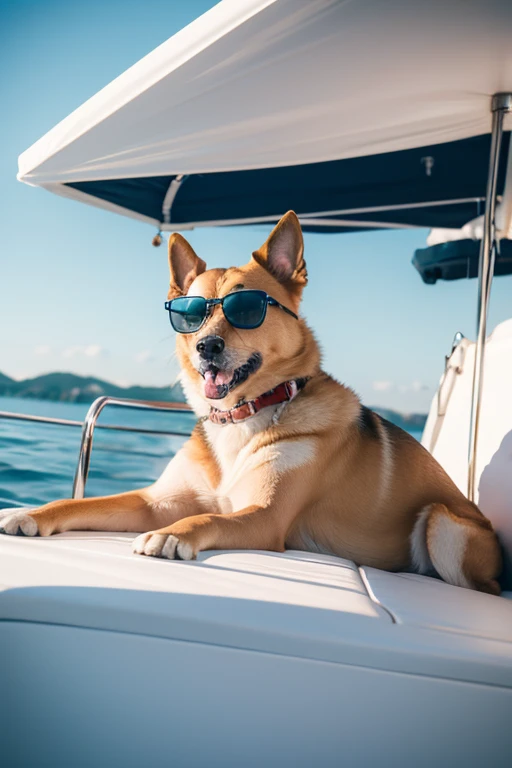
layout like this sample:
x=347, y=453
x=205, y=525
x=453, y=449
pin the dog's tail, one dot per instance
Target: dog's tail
x=459, y=545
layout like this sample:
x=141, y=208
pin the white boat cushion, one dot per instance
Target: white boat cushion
x=89, y=559
x=426, y=602
x=292, y=604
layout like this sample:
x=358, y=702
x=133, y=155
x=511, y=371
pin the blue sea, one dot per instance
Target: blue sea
x=38, y=461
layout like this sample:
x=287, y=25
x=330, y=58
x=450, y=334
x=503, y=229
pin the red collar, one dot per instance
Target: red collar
x=283, y=393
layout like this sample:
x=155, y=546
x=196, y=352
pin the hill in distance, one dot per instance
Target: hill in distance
x=70, y=388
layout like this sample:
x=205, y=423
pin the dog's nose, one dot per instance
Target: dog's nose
x=210, y=346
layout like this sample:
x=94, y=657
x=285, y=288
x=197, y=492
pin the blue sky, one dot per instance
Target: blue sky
x=83, y=289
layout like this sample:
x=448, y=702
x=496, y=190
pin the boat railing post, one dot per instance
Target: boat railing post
x=84, y=456
x=501, y=104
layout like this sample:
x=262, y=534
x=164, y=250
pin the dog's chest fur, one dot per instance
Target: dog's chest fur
x=234, y=448
x=239, y=454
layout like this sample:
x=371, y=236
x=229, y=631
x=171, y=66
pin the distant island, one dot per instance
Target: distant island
x=70, y=388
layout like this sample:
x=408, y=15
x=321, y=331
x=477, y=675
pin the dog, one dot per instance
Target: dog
x=283, y=456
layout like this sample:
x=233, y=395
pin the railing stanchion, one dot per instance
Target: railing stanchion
x=501, y=103
x=84, y=456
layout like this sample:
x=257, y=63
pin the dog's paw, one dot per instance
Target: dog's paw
x=18, y=523
x=163, y=545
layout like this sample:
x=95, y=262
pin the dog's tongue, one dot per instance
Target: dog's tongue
x=213, y=382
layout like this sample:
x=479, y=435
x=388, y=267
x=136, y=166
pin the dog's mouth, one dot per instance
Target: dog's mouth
x=218, y=383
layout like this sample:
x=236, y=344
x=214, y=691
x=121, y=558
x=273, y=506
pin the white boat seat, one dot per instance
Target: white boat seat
x=280, y=658
x=446, y=433
x=296, y=603
x=431, y=603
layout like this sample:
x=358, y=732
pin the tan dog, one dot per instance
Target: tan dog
x=314, y=470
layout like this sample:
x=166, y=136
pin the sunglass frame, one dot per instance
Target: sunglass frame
x=210, y=304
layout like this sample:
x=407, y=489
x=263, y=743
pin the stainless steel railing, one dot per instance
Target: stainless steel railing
x=500, y=106
x=84, y=457
x=89, y=425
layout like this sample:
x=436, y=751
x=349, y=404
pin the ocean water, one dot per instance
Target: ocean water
x=38, y=461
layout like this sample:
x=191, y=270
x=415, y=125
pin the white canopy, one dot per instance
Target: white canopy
x=272, y=83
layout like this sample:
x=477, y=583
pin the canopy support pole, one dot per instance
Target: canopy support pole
x=501, y=104
x=170, y=196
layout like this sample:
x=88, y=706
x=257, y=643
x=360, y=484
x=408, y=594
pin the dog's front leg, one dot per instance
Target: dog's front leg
x=130, y=511
x=251, y=528
x=262, y=524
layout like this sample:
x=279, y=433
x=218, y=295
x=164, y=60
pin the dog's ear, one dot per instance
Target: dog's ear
x=283, y=253
x=184, y=265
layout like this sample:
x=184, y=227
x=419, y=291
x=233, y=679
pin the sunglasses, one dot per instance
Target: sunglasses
x=242, y=309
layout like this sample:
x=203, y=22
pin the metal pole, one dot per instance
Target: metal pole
x=11, y=415
x=501, y=103
x=84, y=457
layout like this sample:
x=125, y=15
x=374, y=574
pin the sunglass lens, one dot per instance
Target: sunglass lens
x=245, y=309
x=187, y=313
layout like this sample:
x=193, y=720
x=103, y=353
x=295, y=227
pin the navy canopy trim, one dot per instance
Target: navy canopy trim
x=442, y=185
x=458, y=259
